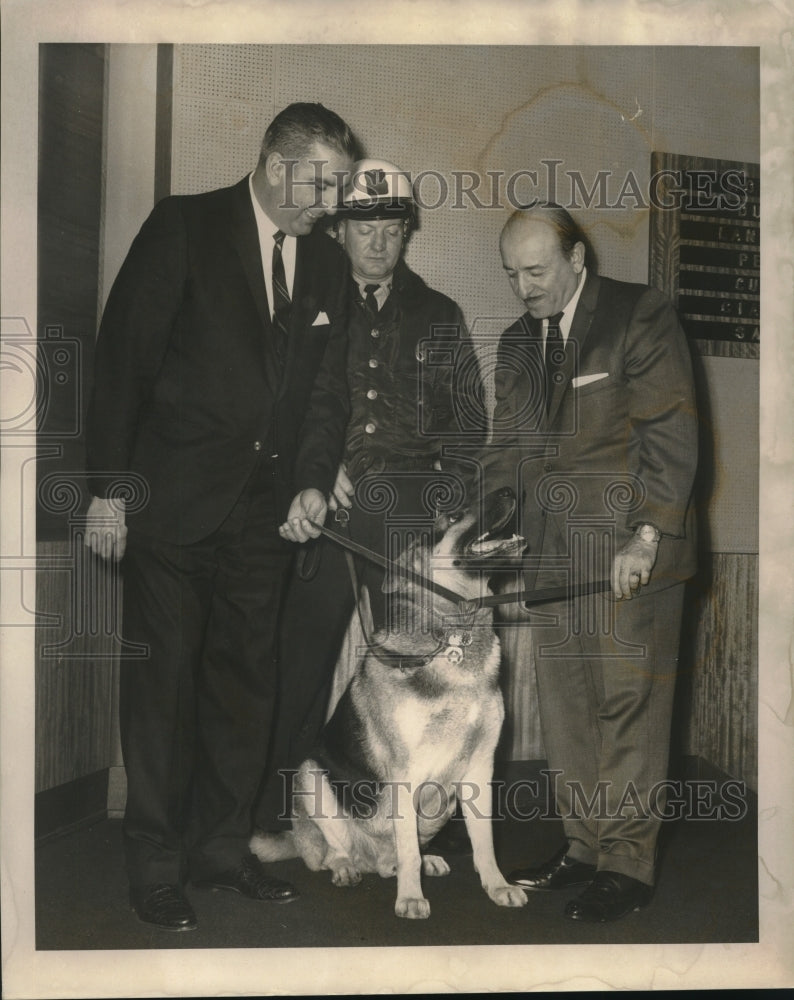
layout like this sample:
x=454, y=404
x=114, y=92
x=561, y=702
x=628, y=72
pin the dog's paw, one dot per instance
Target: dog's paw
x=508, y=895
x=434, y=864
x=412, y=909
x=346, y=875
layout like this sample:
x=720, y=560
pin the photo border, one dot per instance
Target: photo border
x=190, y=972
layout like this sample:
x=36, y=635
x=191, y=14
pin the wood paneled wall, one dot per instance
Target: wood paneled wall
x=718, y=676
x=716, y=716
x=71, y=117
x=76, y=650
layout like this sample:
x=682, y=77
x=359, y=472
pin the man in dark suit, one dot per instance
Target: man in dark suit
x=595, y=426
x=220, y=386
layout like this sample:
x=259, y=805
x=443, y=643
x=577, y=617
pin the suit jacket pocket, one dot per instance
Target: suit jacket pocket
x=597, y=385
x=580, y=381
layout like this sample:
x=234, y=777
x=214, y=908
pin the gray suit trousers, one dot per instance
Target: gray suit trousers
x=606, y=674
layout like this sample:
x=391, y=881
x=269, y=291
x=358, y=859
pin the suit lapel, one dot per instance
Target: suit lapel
x=583, y=318
x=303, y=290
x=304, y=301
x=245, y=238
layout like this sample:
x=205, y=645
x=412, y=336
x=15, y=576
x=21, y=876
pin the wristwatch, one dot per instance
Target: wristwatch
x=648, y=533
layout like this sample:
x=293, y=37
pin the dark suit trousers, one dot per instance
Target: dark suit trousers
x=196, y=713
x=605, y=693
x=315, y=617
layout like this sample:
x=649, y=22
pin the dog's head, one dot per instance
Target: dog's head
x=466, y=547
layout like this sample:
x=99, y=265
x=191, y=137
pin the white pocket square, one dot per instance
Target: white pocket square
x=320, y=319
x=581, y=380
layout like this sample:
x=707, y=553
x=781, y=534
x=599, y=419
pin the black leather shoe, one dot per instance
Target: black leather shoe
x=250, y=879
x=163, y=905
x=561, y=872
x=608, y=897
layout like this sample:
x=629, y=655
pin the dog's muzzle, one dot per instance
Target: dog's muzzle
x=492, y=535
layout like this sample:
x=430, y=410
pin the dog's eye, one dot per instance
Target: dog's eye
x=453, y=518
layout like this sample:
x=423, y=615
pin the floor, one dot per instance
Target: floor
x=706, y=891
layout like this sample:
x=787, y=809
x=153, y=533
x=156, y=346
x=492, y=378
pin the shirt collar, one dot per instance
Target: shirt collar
x=570, y=309
x=383, y=292
x=264, y=223
x=382, y=285
x=266, y=230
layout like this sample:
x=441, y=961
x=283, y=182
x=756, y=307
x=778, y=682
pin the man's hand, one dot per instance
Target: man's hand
x=342, y=494
x=106, y=529
x=308, y=506
x=632, y=567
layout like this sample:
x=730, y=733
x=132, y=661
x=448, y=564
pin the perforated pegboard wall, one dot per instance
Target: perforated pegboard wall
x=451, y=109
x=450, y=114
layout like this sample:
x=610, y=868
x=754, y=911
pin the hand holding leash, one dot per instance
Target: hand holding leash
x=632, y=567
x=342, y=493
x=469, y=606
x=306, y=512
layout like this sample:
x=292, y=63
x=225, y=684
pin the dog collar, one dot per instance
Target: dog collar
x=451, y=645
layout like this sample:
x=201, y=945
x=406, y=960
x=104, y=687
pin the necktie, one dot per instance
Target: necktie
x=281, y=299
x=554, y=357
x=369, y=298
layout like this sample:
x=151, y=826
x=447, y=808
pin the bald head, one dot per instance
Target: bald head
x=543, y=255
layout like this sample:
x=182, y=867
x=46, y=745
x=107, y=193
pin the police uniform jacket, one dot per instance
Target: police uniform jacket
x=413, y=377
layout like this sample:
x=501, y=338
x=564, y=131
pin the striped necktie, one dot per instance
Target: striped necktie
x=554, y=357
x=281, y=299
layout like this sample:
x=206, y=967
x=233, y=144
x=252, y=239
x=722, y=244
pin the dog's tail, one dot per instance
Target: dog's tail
x=274, y=846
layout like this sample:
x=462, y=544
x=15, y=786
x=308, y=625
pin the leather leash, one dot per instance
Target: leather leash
x=469, y=605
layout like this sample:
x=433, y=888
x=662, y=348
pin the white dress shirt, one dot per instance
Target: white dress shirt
x=267, y=230
x=568, y=311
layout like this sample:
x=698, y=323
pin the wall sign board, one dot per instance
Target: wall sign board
x=705, y=249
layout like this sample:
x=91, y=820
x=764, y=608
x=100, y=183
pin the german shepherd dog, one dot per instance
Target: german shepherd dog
x=417, y=726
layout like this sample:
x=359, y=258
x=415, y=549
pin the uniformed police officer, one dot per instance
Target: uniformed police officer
x=415, y=394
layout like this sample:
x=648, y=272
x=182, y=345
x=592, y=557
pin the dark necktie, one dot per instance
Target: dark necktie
x=369, y=298
x=554, y=357
x=281, y=299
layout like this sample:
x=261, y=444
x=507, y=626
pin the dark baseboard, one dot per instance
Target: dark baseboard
x=66, y=807
x=693, y=769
